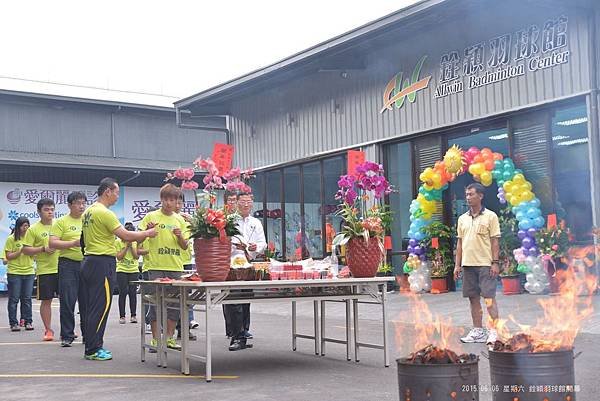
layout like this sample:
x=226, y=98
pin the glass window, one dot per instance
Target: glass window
x=333, y=168
x=572, y=178
x=258, y=188
x=399, y=173
x=497, y=141
x=313, y=240
x=293, y=232
x=273, y=214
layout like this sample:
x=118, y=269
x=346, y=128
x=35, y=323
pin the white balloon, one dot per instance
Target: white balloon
x=537, y=287
x=412, y=279
x=537, y=269
x=427, y=286
x=421, y=281
x=529, y=276
x=424, y=265
x=528, y=286
x=530, y=260
x=415, y=288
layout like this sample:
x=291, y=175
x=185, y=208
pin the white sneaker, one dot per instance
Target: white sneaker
x=492, y=336
x=148, y=329
x=194, y=324
x=476, y=335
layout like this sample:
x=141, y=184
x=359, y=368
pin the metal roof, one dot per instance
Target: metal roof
x=301, y=59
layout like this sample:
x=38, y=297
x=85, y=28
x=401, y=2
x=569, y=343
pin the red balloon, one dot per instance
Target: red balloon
x=489, y=164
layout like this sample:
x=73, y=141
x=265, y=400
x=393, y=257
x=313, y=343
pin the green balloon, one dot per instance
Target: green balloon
x=498, y=165
x=406, y=268
x=521, y=268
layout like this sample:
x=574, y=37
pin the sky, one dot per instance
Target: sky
x=170, y=48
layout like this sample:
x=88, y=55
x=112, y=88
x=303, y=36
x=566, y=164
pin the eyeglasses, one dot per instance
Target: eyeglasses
x=245, y=202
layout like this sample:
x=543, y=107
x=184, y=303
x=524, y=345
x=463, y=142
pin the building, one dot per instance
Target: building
x=519, y=77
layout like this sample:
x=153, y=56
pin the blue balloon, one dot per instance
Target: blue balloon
x=412, y=242
x=538, y=222
x=520, y=216
x=535, y=202
x=525, y=224
x=411, y=234
x=533, y=212
x=419, y=236
x=507, y=162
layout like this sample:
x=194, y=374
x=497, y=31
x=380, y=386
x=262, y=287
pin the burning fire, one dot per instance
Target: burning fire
x=563, y=316
x=433, y=332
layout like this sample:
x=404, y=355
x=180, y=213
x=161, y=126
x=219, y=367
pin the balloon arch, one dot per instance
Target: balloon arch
x=513, y=188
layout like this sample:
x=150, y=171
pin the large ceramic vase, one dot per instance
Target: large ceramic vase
x=213, y=258
x=363, y=257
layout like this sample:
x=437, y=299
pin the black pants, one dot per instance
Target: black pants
x=95, y=295
x=68, y=290
x=237, y=320
x=123, y=280
x=146, y=306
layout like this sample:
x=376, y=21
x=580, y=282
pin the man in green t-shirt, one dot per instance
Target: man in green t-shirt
x=164, y=252
x=66, y=236
x=36, y=243
x=99, y=227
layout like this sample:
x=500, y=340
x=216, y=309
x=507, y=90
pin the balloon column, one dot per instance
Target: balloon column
x=513, y=189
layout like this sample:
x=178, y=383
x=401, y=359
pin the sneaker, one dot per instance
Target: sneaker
x=122, y=320
x=105, y=351
x=153, y=343
x=28, y=326
x=194, y=324
x=476, y=335
x=15, y=327
x=247, y=335
x=66, y=342
x=22, y=322
x=99, y=355
x=133, y=319
x=171, y=343
x=191, y=336
x=48, y=335
x=148, y=329
x=492, y=337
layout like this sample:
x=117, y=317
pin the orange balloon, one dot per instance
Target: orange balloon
x=478, y=159
x=498, y=156
x=485, y=152
x=489, y=164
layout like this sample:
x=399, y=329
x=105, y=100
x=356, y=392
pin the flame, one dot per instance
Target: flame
x=429, y=329
x=563, y=316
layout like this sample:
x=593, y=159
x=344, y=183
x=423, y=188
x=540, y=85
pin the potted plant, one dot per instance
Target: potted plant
x=439, y=254
x=553, y=244
x=210, y=226
x=366, y=219
x=509, y=226
x=386, y=270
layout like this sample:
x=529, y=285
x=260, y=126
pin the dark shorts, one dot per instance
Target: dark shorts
x=172, y=309
x=478, y=282
x=47, y=286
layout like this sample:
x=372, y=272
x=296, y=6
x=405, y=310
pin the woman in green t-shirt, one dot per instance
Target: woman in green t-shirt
x=20, y=276
x=127, y=271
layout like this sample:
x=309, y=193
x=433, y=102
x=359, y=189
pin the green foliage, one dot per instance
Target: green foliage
x=205, y=223
x=509, y=227
x=442, y=260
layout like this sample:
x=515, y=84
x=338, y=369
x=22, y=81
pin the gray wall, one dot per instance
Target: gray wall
x=47, y=127
x=323, y=111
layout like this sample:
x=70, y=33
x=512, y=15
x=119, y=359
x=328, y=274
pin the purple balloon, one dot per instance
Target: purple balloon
x=413, y=242
x=525, y=251
x=412, y=254
x=423, y=258
x=418, y=250
x=531, y=232
x=533, y=251
x=527, y=242
x=521, y=234
x=410, y=249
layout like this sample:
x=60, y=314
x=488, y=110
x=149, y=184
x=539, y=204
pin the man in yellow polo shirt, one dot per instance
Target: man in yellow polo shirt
x=66, y=236
x=99, y=227
x=164, y=252
x=477, y=251
x=36, y=243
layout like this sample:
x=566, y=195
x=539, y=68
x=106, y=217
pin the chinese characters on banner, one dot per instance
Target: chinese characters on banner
x=355, y=158
x=223, y=157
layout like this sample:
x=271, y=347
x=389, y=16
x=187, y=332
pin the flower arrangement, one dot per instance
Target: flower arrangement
x=209, y=221
x=441, y=256
x=509, y=227
x=356, y=192
x=271, y=251
x=553, y=242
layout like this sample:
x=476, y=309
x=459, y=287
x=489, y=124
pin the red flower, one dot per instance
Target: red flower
x=189, y=185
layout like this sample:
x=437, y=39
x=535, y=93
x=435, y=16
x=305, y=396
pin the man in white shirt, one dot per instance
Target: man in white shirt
x=250, y=243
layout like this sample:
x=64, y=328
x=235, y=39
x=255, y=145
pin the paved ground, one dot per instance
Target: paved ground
x=34, y=370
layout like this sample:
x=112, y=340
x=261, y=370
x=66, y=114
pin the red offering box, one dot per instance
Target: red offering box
x=289, y=268
x=295, y=275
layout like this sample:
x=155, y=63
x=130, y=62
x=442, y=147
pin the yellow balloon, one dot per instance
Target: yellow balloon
x=526, y=186
x=436, y=179
x=486, y=176
x=518, y=178
x=427, y=187
x=527, y=196
x=486, y=183
x=479, y=168
x=508, y=195
x=507, y=186
x=472, y=169
x=514, y=200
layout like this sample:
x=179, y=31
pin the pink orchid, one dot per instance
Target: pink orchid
x=189, y=185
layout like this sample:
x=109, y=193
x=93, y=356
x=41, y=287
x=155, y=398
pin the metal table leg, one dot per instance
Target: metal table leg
x=322, y=328
x=386, y=356
x=356, y=341
x=142, y=326
x=316, y=324
x=185, y=330
x=163, y=329
x=207, y=336
x=158, y=324
x=348, y=330
x=294, y=328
